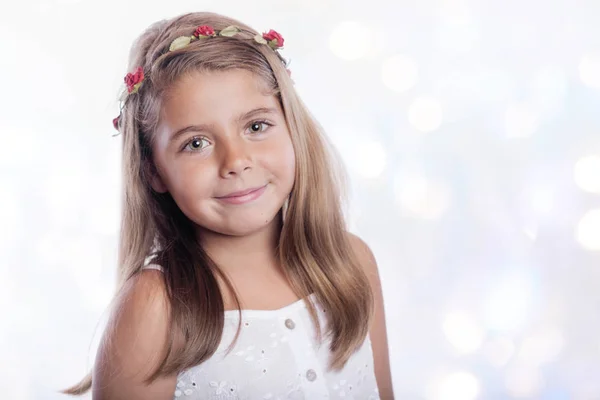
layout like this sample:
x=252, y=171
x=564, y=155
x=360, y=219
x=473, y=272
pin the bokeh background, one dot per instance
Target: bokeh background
x=471, y=132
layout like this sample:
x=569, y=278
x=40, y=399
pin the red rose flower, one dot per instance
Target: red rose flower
x=116, y=122
x=272, y=35
x=204, y=30
x=133, y=79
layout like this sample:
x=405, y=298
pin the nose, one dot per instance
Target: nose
x=235, y=157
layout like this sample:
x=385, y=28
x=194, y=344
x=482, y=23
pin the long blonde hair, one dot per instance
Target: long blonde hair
x=314, y=247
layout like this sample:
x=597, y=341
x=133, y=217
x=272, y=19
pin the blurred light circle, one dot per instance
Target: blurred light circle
x=588, y=230
x=425, y=114
x=463, y=332
x=589, y=70
x=458, y=386
x=420, y=197
x=521, y=120
x=399, y=73
x=587, y=173
x=350, y=40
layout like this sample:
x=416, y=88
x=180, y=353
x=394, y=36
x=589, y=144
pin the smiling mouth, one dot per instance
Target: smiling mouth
x=243, y=196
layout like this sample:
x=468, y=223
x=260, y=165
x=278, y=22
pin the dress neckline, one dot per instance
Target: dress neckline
x=285, y=310
x=297, y=305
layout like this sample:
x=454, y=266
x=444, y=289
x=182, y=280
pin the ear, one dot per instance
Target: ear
x=156, y=182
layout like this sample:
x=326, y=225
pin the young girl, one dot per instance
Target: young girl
x=237, y=278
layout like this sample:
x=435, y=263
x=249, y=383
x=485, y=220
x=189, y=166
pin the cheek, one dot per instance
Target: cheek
x=277, y=156
x=191, y=180
x=287, y=161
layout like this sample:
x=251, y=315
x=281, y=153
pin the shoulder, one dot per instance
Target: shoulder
x=143, y=302
x=132, y=346
x=363, y=254
x=138, y=322
x=378, y=329
x=367, y=261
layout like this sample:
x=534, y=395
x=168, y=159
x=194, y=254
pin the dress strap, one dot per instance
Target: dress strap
x=153, y=266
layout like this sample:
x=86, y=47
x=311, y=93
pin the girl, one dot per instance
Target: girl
x=237, y=278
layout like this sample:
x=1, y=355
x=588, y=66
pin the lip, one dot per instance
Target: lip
x=243, y=196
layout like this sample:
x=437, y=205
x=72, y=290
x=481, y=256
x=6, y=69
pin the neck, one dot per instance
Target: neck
x=256, y=251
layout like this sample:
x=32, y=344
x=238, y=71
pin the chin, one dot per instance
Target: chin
x=240, y=227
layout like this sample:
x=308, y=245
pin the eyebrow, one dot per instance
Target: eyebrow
x=239, y=119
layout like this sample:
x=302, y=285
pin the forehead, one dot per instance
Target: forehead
x=214, y=94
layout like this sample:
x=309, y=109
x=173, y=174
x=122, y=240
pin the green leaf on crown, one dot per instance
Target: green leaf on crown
x=260, y=39
x=180, y=43
x=229, y=31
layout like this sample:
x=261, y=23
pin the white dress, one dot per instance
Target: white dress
x=277, y=357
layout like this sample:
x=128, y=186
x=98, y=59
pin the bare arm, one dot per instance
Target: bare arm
x=132, y=345
x=377, y=332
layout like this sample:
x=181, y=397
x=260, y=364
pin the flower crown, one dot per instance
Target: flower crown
x=135, y=80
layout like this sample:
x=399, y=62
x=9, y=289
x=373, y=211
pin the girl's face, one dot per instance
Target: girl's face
x=223, y=152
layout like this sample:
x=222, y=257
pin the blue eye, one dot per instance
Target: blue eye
x=196, y=144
